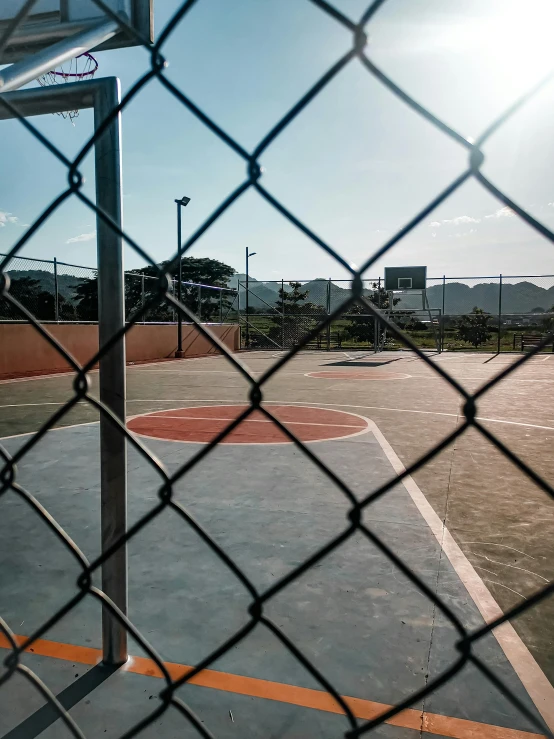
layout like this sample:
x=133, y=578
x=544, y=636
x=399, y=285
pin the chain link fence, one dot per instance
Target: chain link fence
x=56, y=291
x=162, y=297
x=281, y=313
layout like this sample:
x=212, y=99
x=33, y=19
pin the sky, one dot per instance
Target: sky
x=354, y=166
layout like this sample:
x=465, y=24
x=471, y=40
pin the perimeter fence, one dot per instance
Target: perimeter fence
x=490, y=314
x=89, y=585
x=57, y=291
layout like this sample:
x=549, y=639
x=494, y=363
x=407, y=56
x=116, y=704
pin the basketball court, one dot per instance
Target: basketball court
x=470, y=525
x=235, y=564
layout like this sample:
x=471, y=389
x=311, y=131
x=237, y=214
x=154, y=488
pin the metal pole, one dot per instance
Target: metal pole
x=179, y=352
x=247, y=338
x=282, y=314
x=142, y=290
x=499, y=314
x=111, y=320
x=221, y=306
x=238, y=313
x=200, y=301
x=329, y=313
x=56, y=299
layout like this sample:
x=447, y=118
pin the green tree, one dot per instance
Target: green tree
x=300, y=315
x=474, y=328
x=203, y=302
x=86, y=299
x=548, y=323
x=295, y=301
x=361, y=326
x=29, y=292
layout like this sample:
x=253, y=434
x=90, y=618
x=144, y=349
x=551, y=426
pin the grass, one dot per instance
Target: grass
x=263, y=326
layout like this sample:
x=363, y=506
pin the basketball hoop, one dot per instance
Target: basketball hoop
x=82, y=67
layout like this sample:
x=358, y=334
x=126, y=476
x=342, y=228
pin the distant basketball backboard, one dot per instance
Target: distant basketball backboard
x=50, y=21
x=405, y=278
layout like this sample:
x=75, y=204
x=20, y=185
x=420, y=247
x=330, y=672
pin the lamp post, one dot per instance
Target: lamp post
x=248, y=255
x=183, y=202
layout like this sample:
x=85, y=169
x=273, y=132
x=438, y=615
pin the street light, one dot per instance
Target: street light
x=182, y=203
x=248, y=255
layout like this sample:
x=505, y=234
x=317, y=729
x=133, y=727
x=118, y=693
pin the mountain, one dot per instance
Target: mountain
x=521, y=297
x=66, y=283
x=459, y=298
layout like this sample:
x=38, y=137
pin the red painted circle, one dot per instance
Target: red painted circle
x=357, y=375
x=202, y=424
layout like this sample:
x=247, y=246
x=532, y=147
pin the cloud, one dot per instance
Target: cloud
x=7, y=218
x=454, y=221
x=504, y=212
x=82, y=237
x=462, y=219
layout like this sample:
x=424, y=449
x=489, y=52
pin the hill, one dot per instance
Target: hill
x=521, y=297
x=66, y=283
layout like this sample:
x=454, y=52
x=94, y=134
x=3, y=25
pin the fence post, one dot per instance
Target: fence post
x=282, y=314
x=499, y=313
x=142, y=290
x=199, y=302
x=221, y=306
x=111, y=321
x=56, y=301
x=329, y=313
x=376, y=322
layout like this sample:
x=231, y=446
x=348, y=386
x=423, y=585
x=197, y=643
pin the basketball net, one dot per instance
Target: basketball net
x=82, y=67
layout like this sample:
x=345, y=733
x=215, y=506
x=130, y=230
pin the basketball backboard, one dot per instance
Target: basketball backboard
x=405, y=278
x=49, y=21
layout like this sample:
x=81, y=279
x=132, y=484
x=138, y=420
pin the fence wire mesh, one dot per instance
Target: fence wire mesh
x=161, y=296
x=56, y=291
x=281, y=313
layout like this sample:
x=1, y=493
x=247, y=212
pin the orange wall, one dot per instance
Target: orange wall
x=23, y=351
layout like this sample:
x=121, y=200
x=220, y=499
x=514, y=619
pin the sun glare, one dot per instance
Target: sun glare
x=515, y=43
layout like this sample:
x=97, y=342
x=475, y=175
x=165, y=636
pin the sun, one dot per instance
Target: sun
x=513, y=41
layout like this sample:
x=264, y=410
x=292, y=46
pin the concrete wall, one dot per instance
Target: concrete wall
x=23, y=351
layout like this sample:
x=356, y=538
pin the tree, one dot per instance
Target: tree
x=86, y=299
x=362, y=329
x=203, y=302
x=299, y=313
x=548, y=323
x=474, y=328
x=29, y=292
x=295, y=300
x=25, y=290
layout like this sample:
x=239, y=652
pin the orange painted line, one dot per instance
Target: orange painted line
x=431, y=723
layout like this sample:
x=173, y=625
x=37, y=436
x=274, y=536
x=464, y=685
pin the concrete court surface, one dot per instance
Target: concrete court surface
x=355, y=615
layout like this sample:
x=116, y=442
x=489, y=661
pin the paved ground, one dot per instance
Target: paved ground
x=369, y=630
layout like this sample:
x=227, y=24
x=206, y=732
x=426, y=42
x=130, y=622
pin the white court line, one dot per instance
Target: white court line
x=358, y=378
x=234, y=404
x=432, y=377
x=39, y=377
x=248, y=420
x=533, y=678
x=56, y=428
x=305, y=403
x=128, y=366
x=27, y=405
x=320, y=404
